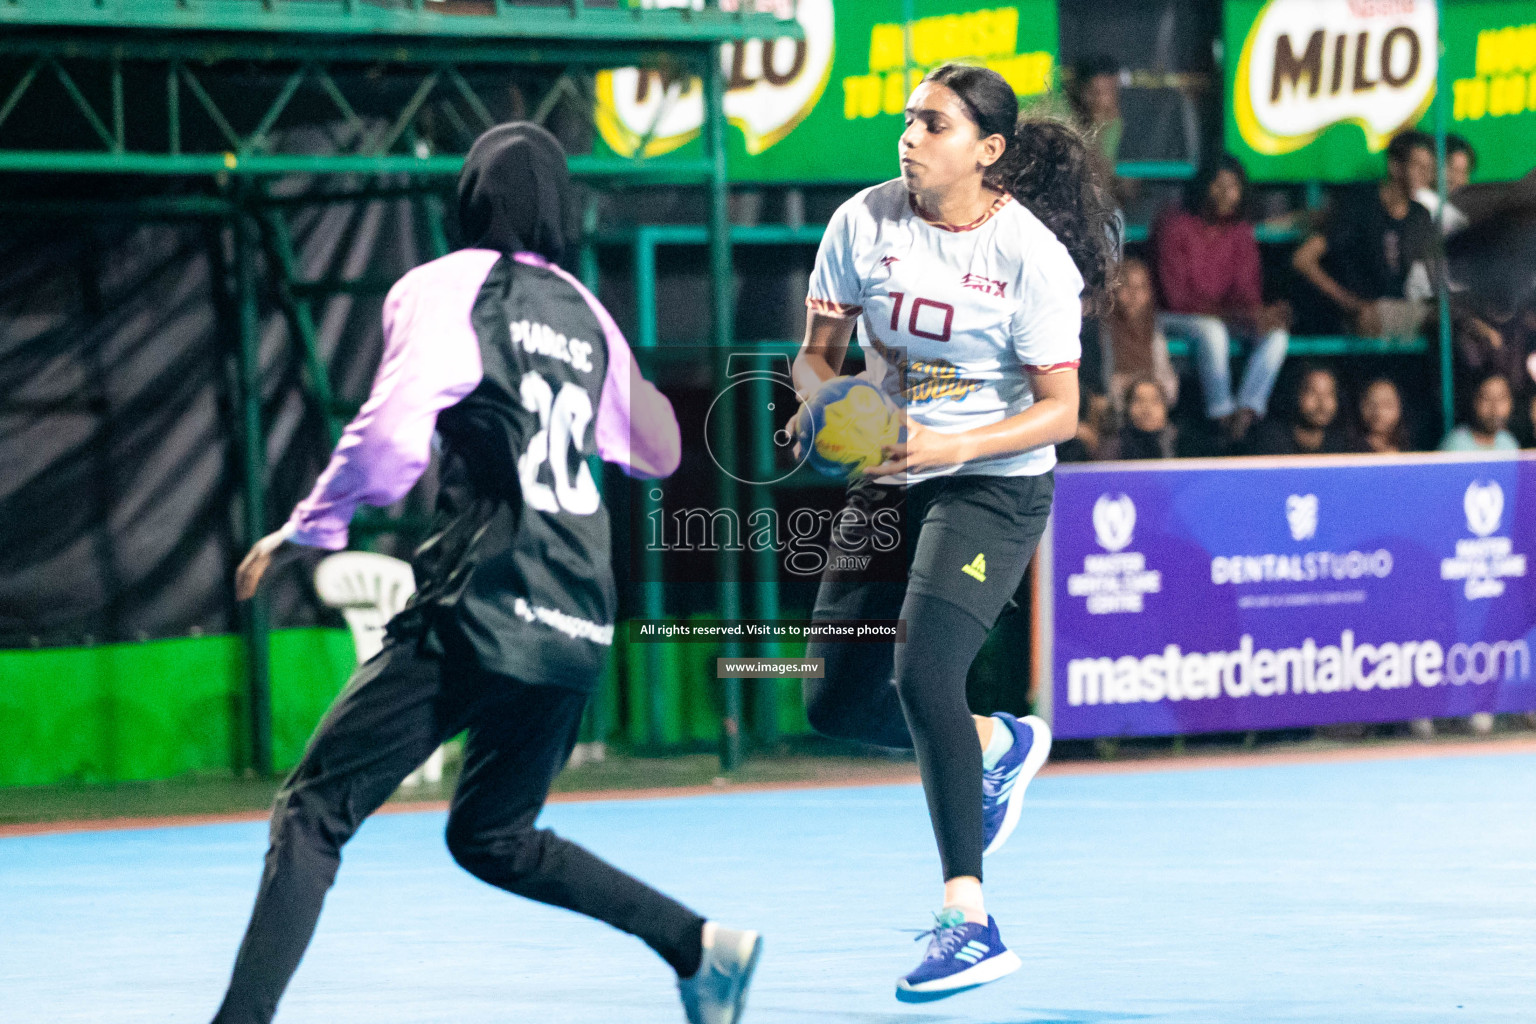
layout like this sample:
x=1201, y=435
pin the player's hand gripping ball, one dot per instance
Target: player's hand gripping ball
x=844, y=426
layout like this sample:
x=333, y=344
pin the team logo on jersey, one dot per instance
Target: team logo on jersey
x=1301, y=516
x=977, y=569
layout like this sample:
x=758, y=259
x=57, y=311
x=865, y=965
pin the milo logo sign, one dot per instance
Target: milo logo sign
x=1306, y=65
x=770, y=87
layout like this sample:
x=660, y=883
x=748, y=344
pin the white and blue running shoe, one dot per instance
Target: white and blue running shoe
x=961, y=955
x=717, y=992
x=1002, y=788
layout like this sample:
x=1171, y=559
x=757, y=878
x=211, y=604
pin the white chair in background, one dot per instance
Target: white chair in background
x=369, y=589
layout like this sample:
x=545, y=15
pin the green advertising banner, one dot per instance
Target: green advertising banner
x=827, y=108
x=1317, y=88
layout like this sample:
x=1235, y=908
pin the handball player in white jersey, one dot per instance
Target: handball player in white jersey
x=966, y=278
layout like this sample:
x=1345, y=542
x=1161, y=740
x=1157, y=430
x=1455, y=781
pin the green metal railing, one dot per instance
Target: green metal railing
x=574, y=20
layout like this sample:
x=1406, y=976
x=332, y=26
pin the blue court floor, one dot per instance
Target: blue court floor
x=1357, y=892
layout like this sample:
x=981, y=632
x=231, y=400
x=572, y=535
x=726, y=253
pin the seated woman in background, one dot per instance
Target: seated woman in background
x=1311, y=427
x=1209, y=272
x=1133, y=346
x=1147, y=434
x=1381, y=429
x=1492, y=404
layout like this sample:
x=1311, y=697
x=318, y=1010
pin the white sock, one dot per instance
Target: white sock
x=1000, y=743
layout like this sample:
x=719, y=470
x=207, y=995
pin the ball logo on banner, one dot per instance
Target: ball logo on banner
x=1484, y=505
x=1484, y=563
x=1307, y=65
x=1301, y=514
x=1113, y=521
x=771, y=85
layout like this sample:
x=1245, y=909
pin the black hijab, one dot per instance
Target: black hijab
x=514, y=191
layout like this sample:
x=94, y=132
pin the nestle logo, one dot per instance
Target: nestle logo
x=1379, y=8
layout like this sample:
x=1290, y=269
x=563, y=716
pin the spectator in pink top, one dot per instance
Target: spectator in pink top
x=1208, y=273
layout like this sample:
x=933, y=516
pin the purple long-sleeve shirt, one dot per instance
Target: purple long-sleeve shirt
x=431, y=362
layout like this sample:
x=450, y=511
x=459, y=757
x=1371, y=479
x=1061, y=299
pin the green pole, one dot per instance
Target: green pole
x=587, y=260
x=1447, y=384
x=596, y=714
x=437, y=232
x=653, y=603
x=645, y=287
x=301, y=321
x=254, y=612
x=720, y=290
x=766, y=605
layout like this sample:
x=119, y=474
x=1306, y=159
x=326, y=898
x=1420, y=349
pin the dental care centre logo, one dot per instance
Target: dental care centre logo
x=1483, y=561
x=1118, y=580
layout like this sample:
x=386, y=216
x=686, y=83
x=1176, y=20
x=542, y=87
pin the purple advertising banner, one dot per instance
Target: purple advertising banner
x=1226, y=595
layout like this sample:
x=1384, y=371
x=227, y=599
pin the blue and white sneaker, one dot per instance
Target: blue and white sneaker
x=1002, y=788
x=717, y=992
x=961, y=955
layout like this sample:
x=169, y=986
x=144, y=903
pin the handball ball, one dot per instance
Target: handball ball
x=845, y=424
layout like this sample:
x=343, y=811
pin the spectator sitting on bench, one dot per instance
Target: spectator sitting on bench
x=1492, y=404
x=1133, y=346
x=1381, y=429
x=1208, y=268
x=1371, y=261
x=1311, y=427
x=1146, y=434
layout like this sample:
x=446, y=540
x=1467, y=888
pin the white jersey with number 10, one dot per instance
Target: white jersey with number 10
x=973, y=312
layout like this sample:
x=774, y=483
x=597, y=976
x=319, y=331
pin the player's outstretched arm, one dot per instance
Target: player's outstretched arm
x=256, y=563
x=431, y=361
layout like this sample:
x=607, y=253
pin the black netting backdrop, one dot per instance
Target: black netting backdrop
x=120, y=493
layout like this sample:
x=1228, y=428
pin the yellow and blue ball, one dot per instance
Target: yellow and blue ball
x=845, y=425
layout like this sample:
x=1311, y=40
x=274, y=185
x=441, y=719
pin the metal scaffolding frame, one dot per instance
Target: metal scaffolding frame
x=409, y=81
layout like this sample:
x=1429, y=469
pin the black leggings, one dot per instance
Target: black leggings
x=398, y=707
x=922, y=708
x=969, y=540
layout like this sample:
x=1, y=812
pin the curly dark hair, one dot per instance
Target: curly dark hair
x=1048, y=166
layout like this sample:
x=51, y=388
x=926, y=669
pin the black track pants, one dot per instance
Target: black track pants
x=397, y=709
